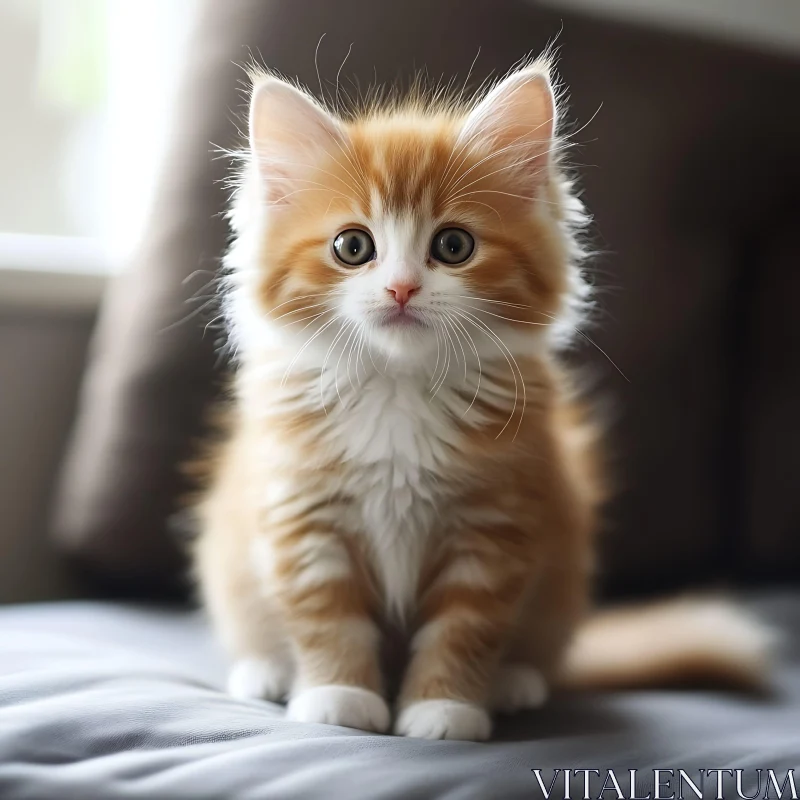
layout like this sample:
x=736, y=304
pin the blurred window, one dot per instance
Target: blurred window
x=86, y=88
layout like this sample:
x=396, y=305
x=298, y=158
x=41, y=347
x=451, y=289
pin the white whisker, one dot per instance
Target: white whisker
x=479, y=203
x=300, y=352
x=297, y=311
x=303, y=297
x=191, y=315
x=510, y=319
x=513, y=165
x=591, y=342
x=544, y=324
x=470, y=341
x=340, y=333
x=448, y=324
x=351, y=341
x=316, y=316
x=513, y=145
x=486, y=300
x=512, y=363
x=445, y=369
x=435, y=372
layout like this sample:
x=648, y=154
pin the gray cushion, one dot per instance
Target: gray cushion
x=111, y=701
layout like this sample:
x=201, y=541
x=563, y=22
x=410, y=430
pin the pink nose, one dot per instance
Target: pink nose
x=402, y=291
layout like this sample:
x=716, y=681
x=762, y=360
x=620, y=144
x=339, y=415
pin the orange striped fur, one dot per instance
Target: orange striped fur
x=412, y=466
x=382, y=474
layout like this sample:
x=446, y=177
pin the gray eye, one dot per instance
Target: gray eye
x=452, y=246
x=354, y=247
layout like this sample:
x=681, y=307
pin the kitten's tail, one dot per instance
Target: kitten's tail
x=682, y=642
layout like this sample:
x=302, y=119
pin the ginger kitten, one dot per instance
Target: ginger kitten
x=404, y=453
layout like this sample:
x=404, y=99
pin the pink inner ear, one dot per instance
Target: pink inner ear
x=289, y=131
x=518, y=116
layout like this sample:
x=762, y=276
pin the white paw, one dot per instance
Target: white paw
x=349, y=706
x=518, y=687
x=444, y=719
x=264, y=679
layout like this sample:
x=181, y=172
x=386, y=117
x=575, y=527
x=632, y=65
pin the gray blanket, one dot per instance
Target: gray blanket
x=109, y=701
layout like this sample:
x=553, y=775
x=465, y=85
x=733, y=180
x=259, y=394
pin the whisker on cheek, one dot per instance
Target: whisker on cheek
x=302, y=297
x=486, y=300
x=340, y=333
x=349, y=346
x=315, y=317
x=363, y=340
x=470, y=341
x=510, y=319
x=512, y=364
x=298, y=311
x=435, y=372
x=302, y=319
x=463, y=354
x=445, y=368
x=303, y=348
x=594, y=344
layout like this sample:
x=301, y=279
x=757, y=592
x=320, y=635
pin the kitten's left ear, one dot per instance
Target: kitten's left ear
x=518, y=117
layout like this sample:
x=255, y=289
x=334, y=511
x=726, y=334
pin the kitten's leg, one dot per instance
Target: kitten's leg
x=466, y=617
x=518, y=686
x=263, y=667
x=290, y=605
x=542, y=634
x=247, y=619
x=259, y=676
x=335, y=641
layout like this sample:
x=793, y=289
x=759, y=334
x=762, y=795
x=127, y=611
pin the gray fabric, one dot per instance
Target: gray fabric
x=109, y=701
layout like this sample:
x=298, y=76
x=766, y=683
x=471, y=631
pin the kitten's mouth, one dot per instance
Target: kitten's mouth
x=402, y=318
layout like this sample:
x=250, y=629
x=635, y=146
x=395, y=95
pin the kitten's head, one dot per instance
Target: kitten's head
x=405, y=228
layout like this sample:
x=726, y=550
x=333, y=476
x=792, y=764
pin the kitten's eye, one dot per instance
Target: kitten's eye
x=354, y=247
x=452, y=246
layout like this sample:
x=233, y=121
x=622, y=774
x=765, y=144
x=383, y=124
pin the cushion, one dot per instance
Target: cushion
x=107, y=701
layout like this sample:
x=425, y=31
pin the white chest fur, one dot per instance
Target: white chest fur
x=396, y=444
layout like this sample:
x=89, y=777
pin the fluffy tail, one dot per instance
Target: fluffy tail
x=683, y=642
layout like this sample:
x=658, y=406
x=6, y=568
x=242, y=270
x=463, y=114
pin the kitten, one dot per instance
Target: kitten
x=404, y=453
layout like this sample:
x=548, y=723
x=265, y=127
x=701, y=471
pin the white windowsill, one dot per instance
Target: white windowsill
x=52, y=272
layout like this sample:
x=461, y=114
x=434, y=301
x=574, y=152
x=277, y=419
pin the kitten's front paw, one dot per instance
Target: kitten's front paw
x=350, y=706
x=518, y=687
x=259, y=678
x=444, y=719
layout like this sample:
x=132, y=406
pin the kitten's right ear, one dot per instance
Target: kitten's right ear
x=288, y=131
x=517, y=119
